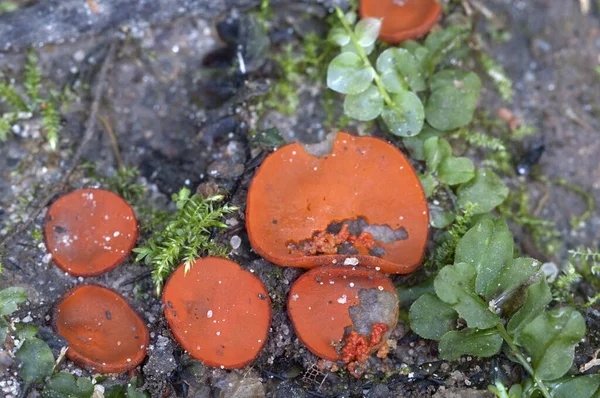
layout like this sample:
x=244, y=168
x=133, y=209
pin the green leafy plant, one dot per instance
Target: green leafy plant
x=46, y=103
x=186, y=236
x=475, y=309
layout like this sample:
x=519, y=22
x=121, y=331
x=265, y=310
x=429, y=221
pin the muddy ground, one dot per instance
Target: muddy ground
x=182, y=122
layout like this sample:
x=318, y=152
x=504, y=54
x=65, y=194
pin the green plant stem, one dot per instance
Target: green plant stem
x=522, y=360
x=363, y=55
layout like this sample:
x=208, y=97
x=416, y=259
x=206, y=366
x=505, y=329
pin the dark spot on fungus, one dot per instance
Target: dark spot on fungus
x=108, y=316
x=59, y=229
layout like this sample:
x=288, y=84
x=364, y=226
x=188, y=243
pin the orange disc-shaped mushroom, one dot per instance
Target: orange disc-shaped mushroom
x=105, y=334
x=90, y=231
x=218, y=312
x=326, y=303
x=364, y=199
x=402, y=19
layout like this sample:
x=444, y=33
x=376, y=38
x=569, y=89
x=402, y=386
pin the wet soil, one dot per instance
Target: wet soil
x=183, y=122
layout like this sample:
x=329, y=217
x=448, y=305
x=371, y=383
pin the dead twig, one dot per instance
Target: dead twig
x=87, y=137
x=113, y=140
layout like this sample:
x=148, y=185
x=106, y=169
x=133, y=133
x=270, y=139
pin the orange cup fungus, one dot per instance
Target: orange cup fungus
x=363, y=200
x=343, y=313
x=218, y=312
x=402, y=19
x=105, y=334
x=90, y=231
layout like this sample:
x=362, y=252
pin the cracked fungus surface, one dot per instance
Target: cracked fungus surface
x=327, y=302
x=298, y=205
x=218, y=312
x=402, y=19
x=90, y=231
x=105, y=334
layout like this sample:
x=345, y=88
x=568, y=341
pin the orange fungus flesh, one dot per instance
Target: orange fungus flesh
x=402, y=19
x=218, y=312
x=105, y=334
x=320, y=304
x=363, y=199
x=90, y=231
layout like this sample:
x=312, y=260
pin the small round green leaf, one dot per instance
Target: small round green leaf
x=453, y=99
x=367, y=30
x=455, y=171
x=364, y=106
x=10, y=298
x=339, y=36
x=436, y=151
x=428, y=184
x=415, y=143
x=440, y=218
x=36, y=359
x=481, y=343
x=406, y=117
x=63, y=384
x=431, y=318
x=350, y=48
x=486, y=190
x=399, y=69
x=347, y=74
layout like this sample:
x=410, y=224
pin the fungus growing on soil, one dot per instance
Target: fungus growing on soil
x=363, y=199
x=105, y=334
x=218, y=312
x=402, y=19
x=90, y=231
x=343, y=313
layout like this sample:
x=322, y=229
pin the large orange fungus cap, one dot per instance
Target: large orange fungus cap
x=328, y=304
x=218, y=312
x=90, y=231
x=363, y=199
x=402, y=19
x=105, y=334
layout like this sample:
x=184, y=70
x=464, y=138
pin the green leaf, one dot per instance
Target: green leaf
x=514, y=275
x=367, y=31
x=415, y=143
x=486, y=190
x=25, y=331
x=550, y=340
x=453, y=98
x=10, y=298
x=436, y=150
x=455, y=284
x=537, y=297
x=575, y=386
x=440, y=218
x=398, y=69
x=408, y=295
x=406, y=117
x=442, y=42
x=132, y=391
x=428, y=184
x=431, y=318
x=268, y=139
x=481, y=343
x=115, y=392
x=455, y=171
x=351, y=48
x=364, y=106
x=516, y=391
x=36, y=359
x=64, y=385
x=339, y=36
x=488, y=247
x=347, y=74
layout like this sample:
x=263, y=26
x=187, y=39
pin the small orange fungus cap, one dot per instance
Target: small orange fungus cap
x=363, y=199
x=105, y=334
x=90, y=231
x=218, y=312
x=324, y=305
x=402, y=19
